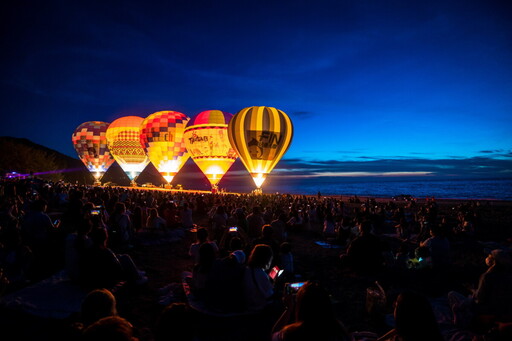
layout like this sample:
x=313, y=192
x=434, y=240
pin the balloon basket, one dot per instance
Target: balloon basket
x=97, y=183
x=257, y=191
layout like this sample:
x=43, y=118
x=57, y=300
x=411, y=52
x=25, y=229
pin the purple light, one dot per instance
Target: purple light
x=13, y=175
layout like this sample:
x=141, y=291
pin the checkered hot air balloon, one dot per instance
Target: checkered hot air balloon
x=206, y=139
x=261, y=136
x=161, y=136
x=123, y=139
x=90, y=142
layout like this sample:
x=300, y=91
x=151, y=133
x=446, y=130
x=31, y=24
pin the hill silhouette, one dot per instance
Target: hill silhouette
x=26, y=157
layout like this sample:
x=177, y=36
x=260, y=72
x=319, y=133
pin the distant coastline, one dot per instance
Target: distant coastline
x=451, y=189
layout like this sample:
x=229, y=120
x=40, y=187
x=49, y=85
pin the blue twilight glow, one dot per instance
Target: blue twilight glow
x=389, y=88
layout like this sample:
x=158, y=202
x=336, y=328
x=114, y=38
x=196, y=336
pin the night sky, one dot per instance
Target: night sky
x=372, y=87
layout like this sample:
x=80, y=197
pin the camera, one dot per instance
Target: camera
x=292, y=288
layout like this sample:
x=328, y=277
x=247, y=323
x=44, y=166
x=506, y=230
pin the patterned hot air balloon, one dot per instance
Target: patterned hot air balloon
x=206, y=139
x=90, y=142
x=123, y=139
x=161, y=136
x=261, y=136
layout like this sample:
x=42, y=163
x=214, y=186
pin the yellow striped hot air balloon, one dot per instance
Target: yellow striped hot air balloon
x=261, y=136
x=206, y=138
x=123, y=139
x=91, y=146
x=161, y=136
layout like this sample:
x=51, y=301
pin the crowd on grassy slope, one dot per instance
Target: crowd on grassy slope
x=90, y=232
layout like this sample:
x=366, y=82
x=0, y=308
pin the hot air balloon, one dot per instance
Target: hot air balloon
x=90, y=142
x=123, y=140
x=206, y=138
x=261, y=136
x=161, y=136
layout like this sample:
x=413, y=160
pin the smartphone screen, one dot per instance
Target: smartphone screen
x=233, y=229
x=275, y=272
x=95, y=212
x=294, y=287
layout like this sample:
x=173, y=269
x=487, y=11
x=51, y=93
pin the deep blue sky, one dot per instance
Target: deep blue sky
x=376, y=86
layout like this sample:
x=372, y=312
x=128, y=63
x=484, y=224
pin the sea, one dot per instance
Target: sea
x=495, y=189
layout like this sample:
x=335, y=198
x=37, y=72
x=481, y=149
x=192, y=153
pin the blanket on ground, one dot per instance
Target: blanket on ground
x=56, y=297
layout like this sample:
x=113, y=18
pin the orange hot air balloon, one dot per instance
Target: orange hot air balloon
x=123, y=140
x=90, y=142
x=161, y=136
x=206, y=138
x=261, y=136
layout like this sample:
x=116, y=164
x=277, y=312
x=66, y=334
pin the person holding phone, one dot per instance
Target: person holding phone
x=259, y=289
x=309, y=316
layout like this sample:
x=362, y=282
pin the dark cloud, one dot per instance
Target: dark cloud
x=468, y=167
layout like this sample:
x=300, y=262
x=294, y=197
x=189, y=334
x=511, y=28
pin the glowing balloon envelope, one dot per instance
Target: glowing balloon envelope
x=90, y=142
x=123, y=140
x=161, y=136
x=261, y=136
x=206, y=138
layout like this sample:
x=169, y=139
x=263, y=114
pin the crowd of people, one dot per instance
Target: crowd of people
x=243, y=259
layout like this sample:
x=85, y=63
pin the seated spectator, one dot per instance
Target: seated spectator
x=439, y=248
x=267, y=238
x=258, y=288
x=329, y=229
x=255, y=222
x=202, y=238
x=295, y=222
x=186, y=217
x=286, y=259
x=491, y=301
x=402, y=229
x=236, y=245
x=15, y=258
x=98, y=304
x=219, y=222
x=37, y=226
x=364, y=254
x=176, y=322
x=234, y=235
x=225, y=284
x=402, y=256
x=137, y=218
x=75, y=246
x=344, y=231
x=102, y=268
x=202, y=270
x=38, y=232
x=311, y=315
x=119, y=227
x=154, y=221
x=279, y=226
x=414, y=320
x=112, y=328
